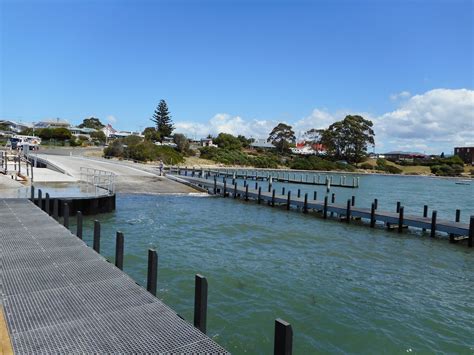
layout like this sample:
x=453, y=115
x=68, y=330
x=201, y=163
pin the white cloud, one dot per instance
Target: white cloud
x=111, y=119
x=432, y=122
x=223, y=122
x=436, y=120
x=400, y=96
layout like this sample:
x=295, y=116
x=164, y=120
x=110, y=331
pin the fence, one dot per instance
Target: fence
x=99, y=179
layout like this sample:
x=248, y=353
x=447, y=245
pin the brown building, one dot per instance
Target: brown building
x=466, y=154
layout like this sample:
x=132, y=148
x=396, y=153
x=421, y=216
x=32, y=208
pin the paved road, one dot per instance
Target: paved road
x=131, y=178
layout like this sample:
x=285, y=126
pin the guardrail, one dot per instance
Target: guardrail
x=99, y=179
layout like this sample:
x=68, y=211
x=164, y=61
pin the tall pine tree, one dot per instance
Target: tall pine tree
x=162, y=119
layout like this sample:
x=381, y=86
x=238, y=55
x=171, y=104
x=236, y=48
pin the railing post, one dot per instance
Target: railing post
x=283, y=341
x=79, y=224
x=433, y=224
x=288, y=201
x=119, y=250
x=96, y=242
x=200, y=303
x=152, y=271
x=66, y=215
x=372, y=215
x=400, y=219
x=305, y=205
x=47, y=204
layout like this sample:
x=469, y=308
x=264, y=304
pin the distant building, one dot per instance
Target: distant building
x=261, y=143
x=466, y=154
x=77, y=131
x=404, y=156
x=53, y=123
x=309, y=148
x=207, y=142
x=15, y=127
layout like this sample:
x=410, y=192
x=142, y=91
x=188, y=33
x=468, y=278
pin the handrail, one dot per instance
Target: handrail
x=100, y=179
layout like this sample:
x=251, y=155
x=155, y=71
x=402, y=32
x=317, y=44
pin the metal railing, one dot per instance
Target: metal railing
x=98, y=179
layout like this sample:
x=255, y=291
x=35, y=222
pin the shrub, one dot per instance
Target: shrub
x=393, y=169
x=366, y=166
x=447, y=170
x=317, y=163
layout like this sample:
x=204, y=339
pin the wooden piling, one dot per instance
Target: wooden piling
x=66, y=215
x=400, y=219
x=225, y=187
x=200, y=303
x=96, y=241
x=376, y=203
x=372, y=215
x=299, y=193
x=283, y=190
x=333, y=197
x=235, y=190
x=152, y=275
x=283, y=339
x=433, y=224
x=119, y=250
x=79, y=224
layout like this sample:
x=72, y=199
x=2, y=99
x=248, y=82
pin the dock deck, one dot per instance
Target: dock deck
x=390, y=218
x=60, y=296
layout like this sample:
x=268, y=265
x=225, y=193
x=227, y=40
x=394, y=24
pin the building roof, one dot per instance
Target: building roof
x=399, y=152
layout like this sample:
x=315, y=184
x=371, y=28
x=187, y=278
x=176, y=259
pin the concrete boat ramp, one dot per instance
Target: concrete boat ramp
x=60, y=296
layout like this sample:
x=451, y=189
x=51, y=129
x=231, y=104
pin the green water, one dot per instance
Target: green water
x=344, y=288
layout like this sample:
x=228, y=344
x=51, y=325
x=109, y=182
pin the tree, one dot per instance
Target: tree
x=98, y=136
x=162, y=119
x=151, y=134
x=348, y=139
x=227, y=141
x=182, y=143
x=245, y=141
x=91, y=122
x=281, y=136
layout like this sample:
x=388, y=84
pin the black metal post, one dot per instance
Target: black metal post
x=433, y=224
x=398, y=206
x=259, y=194
x=200, y=303
x=47, y=204
x=288, y=201
x=372, y=215
x=333, y=197
x=425, y=214
x=400, y=219
x=305, y=206
x=353, y=201
x=152, y=271
x=273, y=198
x=325, y=209
x=32, y=196
x=79, y=224
x=96, y=241
x=119, y=250
x=40, y=199
x=283, y=342
x=299, y=193
x=283, y=190
x=348, y=211
x=315, y=195
x=471, y=232
x=55, y=209
x=246, y=192
x=235, y=190
x=376, y=203
x=66, y=215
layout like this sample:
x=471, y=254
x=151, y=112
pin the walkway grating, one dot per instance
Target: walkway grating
x=60, y=296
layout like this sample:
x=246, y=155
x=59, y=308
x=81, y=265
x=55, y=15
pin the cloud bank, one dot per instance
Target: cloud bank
x=432, y=122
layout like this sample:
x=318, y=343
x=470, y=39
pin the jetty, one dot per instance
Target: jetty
x=60, y=296
x=346, y=212
x=270, y=176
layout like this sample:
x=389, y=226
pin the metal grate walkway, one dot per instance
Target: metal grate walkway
x=60, y=296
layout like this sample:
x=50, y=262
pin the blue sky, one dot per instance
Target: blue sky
x=230, y=64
